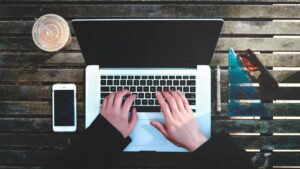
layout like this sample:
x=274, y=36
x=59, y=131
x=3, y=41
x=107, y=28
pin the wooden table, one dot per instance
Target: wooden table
x=269, y=27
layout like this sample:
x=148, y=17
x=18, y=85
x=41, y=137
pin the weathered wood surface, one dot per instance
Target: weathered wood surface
x=75, y=59
x=44, y=108
x=230, y=28
x=224, y=43
x=26, y=76
x=29, y=11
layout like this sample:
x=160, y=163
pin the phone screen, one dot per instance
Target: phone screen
x=64, y=113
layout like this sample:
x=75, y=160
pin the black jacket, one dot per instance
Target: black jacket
x=96, y=150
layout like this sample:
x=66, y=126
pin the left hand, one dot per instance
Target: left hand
x=117, y=113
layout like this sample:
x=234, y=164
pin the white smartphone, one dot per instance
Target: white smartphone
x=64, y=108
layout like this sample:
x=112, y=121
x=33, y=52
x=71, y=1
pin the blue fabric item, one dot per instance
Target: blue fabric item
x=240, y=88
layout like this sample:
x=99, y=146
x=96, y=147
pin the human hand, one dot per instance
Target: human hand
x=180, y=127
x=117, y=113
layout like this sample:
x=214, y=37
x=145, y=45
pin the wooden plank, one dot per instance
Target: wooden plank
x=38, y=108
x=261, y=27
x=224, y=43
x=76, y=75
x=284, y=27
x=256, y=126
x=157, y=1
x=42, y=75
x=31, y=108
x=30, y=59
x=153, y=10
x=57, y=141
x=276, y=60
x=33, y=125
x=278, y=109
x=31, y=93
x=259, y=44
x=282, y=76
x=41, y=59
x=43, y=125
x=282, y=93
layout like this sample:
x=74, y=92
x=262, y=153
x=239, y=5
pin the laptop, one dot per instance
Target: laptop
x=145, y=56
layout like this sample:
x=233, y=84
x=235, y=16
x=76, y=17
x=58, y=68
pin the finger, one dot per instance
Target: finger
x=119, y=97
x=128, y=102
x=104, y=103
x=171, y=102
x=133, y=119
x=164, y=106
x=111, y=98
x=160, y=127
x=185, y=101
x=179, y=101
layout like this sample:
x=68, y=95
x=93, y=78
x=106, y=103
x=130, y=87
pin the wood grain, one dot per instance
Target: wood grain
x=257, y=44
x=284, y=27
x=30, y=11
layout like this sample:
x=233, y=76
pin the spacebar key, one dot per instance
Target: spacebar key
x=147, y=108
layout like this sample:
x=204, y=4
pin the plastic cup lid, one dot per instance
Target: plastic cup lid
x=51, y=32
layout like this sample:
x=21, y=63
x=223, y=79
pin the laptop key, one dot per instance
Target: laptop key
x=193, y=89
x=146, y=89
x=148, y=95
x=171, y=77
x=151, y=77
x=182, y=82
x=104, y=89
x=162, y=82
x=190, y=95
x=123, y=77
x=132, y=89
x=191, y=82
x=103, y=77
x=137, y=77
x=165, y=77
x=139, y=89
x=185, y=77
x=104, y=95
x=136, y=82
x=151, y=102
x=137, y=102
x=153, y=95
x=143, y=82
x=159, y=89
x=123, y=82
x=149, y=82
x=141, y=95
x=112, y=89
x=176, y=82
x=192, y=102
x=117, y=77
x=103, y=82
x=119, y=88
x=166, y=88
x=144, y=77
x=152, y=89
x=148, y=108
x=130, y=77
x=110, y=77
x=186, y=89
x=172, y=88
x=144, y=102
x=169, y=82
x=178, y=77
x=109, y=82
x=156, y=82
x=116, y=82
x=157, y=77
x=129, y=82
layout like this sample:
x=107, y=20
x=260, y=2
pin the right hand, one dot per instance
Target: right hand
x=117, y=113
x=180, y=127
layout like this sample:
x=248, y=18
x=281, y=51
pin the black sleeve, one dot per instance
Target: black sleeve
x=97, y=148
x=222, y=153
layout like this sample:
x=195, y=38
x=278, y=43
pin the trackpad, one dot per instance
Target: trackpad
x=145, y=134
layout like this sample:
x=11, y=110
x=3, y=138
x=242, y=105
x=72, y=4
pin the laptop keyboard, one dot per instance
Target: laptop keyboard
x=145, y=87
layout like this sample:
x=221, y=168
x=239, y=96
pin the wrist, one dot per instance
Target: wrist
x=196, y=143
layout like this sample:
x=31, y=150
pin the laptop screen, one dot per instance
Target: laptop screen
x=147, y=43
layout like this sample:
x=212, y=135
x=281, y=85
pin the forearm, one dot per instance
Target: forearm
x=221, y=152
x=97, y=148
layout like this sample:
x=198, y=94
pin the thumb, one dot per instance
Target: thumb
x=160, y=127
x=133, y=119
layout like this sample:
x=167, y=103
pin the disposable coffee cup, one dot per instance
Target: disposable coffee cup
x=51, y=33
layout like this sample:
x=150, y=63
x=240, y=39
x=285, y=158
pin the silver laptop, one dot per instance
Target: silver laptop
x=145, y=56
